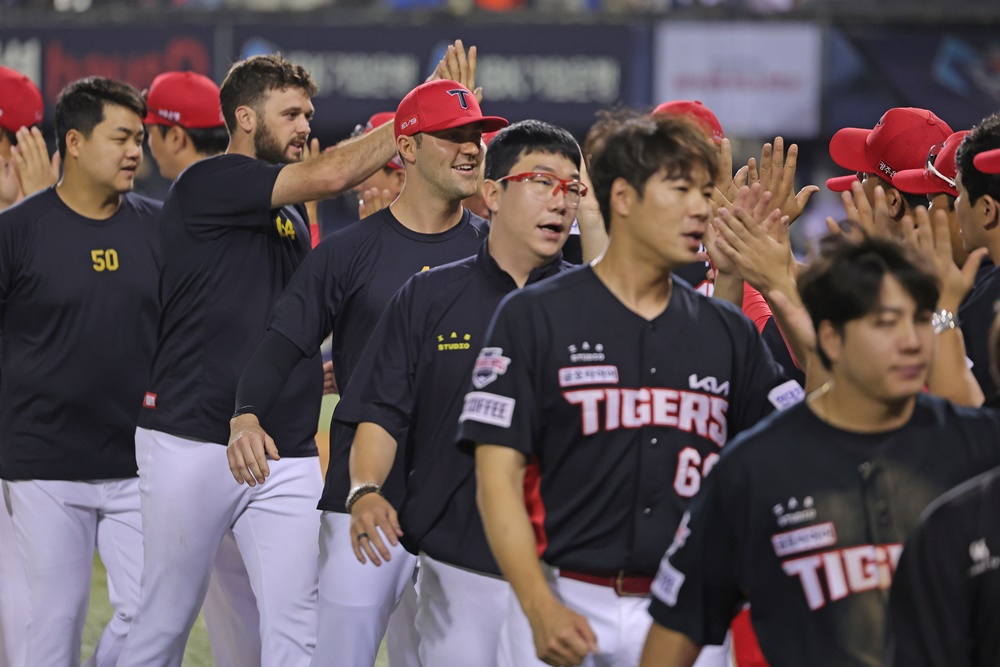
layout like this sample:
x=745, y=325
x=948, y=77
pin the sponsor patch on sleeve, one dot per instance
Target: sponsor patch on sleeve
x=490, y=364
x=668, y=583
x=487, y=408
x=786, y=394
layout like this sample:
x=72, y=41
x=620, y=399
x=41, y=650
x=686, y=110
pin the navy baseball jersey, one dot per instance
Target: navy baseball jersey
x=412, y=379
x=976, y=317
x=807, y=522
x=944, y=606
x=625, y=415
x=78, y=313
x=227, y=256
x=343, y=287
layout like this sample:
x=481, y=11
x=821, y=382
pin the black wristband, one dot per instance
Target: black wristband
x=245, y=410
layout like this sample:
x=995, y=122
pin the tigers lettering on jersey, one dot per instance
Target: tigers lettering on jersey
x=689, y=411
x=857, y=569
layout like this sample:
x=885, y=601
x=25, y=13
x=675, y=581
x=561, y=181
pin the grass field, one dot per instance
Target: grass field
x=198, y=653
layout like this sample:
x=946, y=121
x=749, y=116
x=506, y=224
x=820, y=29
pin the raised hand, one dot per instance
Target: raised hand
x=371, y=201
x=931, y=236
x=459, y=65
x=35, y=169
x=777, y=176
x=864, y=218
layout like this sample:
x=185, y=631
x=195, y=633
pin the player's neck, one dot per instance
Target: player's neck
x=425, y=214
x=849, y=409
x=641, y=286
x=85, y=198
x=513, y=255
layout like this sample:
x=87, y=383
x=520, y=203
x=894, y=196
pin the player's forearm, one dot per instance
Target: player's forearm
x=950, y=376
x=500, y=495
x=336, y=170
x=372, y=454
x=668, y=648
x=729, y=287
x=266, y=373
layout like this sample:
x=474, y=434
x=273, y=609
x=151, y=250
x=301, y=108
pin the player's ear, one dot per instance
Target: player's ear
x=830, y=339
x=73, y=141
x=897, y=205
x=246, y=119
x=623, y=197
x=990, y=211
x=492, y=191
x=176, y=138
x=407, y=147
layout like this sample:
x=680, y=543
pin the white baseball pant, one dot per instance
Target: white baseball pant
x=13, y=593
x=459, y=614
x=620, y=623
x=356, y=602
x=57, y=525
x=230, y=610
x=189, y=501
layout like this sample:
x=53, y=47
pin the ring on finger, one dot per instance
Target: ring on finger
x=362, y=536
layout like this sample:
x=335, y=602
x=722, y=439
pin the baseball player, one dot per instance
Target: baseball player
x=900, y=140
x=232, y=236
x=805, y=514
x=344, y=287
x=78, y=271
x=184, y=124
x=20, y=107
x=976, y=208
x=412, y=378
x=603, y=378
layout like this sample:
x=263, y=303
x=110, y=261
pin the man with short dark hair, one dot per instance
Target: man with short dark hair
x=804, y=516
x=78, y=276
x=232, y=235
x=412, y=379
x=621, y=385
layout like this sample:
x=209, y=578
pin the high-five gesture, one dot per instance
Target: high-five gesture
x=459, y=65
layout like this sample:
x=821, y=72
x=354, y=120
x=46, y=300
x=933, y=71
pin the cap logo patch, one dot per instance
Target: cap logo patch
x=460, y=94
x=883, y=167
x=408, y=123
x=172, y=116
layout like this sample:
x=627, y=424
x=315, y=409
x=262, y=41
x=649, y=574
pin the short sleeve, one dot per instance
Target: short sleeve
x=762, y=386
x=500, y=407
x=383, y=381
x=697, y=589
x=227, y=191
x=307, y=310
x=928, y=620
x=12, y=248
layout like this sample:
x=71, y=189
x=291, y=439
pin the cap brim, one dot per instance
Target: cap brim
x=847, y=148
x=921, y=182
x=490, y=123
x=988, y=162
x=841, y=183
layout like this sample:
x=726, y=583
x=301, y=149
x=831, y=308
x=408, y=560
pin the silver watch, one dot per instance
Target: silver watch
x=943, y=320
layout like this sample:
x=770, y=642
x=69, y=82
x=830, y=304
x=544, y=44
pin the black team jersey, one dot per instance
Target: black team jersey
x=625, y=415
x=976, y=317
x=78, y=314
x=227, y=255
x=343, y=287
x=412, y=379
x=944, y=607
x=807, y=522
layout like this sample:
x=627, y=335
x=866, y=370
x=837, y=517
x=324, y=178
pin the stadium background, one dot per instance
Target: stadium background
x=799, y=68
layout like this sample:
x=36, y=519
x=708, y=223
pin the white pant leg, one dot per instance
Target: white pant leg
x=459, y=614
x=620, y=624
x=355, y=600
x=13, y=593
x=119, y=543
x=278, y=535
x=230, y=610
x=402, y=642
x=189, y=500
x=55, y=525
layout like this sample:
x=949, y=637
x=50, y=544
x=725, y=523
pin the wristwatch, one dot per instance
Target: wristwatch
x=943, y=320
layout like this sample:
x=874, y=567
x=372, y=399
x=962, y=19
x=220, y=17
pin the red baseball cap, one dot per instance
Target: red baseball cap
x=184, y=98
x=938, y=174
x=441, y=105
x=988, y=162
x=699, y=112
x=899, y=141
x=20, y=101
x=842, y=183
